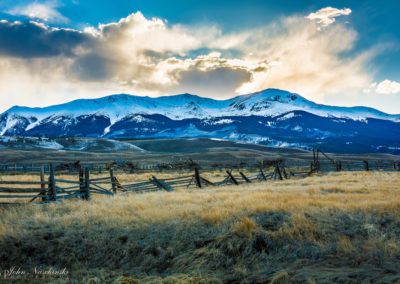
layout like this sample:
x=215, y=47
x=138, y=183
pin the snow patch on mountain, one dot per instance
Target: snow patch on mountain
x=29, y=143
x=287, y=116
x=71, y=144
x=218, y=121
x=140, y=118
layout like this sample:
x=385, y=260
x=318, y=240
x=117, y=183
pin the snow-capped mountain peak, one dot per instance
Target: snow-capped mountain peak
x=267, y=102
x=254, y=117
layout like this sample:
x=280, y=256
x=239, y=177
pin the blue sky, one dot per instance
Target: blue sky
x=333, y=52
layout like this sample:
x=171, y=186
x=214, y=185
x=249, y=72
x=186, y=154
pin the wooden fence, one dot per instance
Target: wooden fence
x=53, y=188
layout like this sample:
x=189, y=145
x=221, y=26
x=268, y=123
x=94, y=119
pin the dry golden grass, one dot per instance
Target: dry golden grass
x=340, y=227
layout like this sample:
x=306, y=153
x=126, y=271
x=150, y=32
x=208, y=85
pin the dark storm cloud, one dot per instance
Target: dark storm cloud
x=31, y=40
x=92, y=67
x=213, y=83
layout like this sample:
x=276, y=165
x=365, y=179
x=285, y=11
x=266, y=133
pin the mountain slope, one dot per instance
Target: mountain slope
x=267, y=102
x=270, y=117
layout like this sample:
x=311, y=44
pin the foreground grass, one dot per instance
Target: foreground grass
x=341, y=227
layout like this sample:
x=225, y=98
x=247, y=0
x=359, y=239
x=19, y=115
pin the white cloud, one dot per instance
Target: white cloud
x=292, y=55
x=326, y=16
x=147, y=56
x=46, y=11
x=385, y=87
x=307, y=61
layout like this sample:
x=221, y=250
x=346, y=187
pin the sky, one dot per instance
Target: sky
x=344, y=53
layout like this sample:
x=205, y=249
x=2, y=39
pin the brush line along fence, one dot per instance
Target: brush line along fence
x=53, y=188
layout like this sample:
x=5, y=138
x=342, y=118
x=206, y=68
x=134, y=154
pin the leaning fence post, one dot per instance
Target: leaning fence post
x=197, y=177
x=232, y=178
x=160, y=184
x=87, y=184
x=114, y=189
x=244, y=177
x=262, y=173
x=52, y=184
x=277, y=170
x=284, y=172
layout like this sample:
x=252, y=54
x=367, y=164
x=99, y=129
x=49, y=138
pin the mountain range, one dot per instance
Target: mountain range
x=270, y=117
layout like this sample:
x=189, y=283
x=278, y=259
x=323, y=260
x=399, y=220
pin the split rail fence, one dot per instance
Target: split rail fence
x=53, y=188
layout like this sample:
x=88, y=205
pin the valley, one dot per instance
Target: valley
x=204, y=151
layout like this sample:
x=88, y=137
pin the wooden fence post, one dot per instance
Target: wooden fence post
x=52, y=184
x=42, y=193
x=339, y=166
x=262, y=174
x=197, y=177
x=278, y=171
x=114, y=188
x=232, y=177
x=87, y=184
x=366, y=165
x=82, y=181
x=42, y=185
x=314, y=162
x=161, y=185
x=244, y=177
x=284, y=172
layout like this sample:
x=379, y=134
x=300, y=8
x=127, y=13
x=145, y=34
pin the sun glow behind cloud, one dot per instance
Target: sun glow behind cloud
x=150, y=57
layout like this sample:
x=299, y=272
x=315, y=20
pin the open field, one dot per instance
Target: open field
x=203, y=151
x=341, y=227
